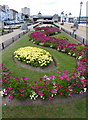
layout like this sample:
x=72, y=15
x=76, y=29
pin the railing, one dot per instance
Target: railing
x=77, y=37
x=5, y=44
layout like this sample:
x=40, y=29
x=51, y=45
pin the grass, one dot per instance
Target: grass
x=64, y=62
x=67, y=36
x=76, y=109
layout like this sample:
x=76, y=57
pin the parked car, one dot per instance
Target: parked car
x=8, y=22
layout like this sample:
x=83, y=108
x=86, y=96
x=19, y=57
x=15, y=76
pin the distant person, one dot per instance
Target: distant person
x=75, y=26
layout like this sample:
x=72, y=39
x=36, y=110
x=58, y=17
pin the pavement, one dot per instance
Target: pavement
x=16, y=32
x=81, y=31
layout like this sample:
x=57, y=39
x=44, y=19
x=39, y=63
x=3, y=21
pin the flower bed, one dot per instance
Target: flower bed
x=33, y=56
x=62, y=85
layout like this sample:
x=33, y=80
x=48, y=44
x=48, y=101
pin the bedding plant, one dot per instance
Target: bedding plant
x=47, y=87
x=33, y=56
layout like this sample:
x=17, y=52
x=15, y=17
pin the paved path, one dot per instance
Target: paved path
x=13, y=34
x=81, y=33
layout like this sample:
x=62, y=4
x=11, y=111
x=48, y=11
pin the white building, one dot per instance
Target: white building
x=4, y=12
x=26, y=11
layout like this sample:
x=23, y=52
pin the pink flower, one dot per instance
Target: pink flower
x=10, y=97
x=59, y=86
x=17, y=78
x=65, y=76
x=41, y=79
x=21, y=90
x=24, y=78
x=41, y=93
x=52, y=91
x=65, y=71
x=61, y=77
x=70, y=92
x=25, y=82
x=58, y=71
x=68, y=79
x=45, y=77
x=9, y=88
x=50, y=97
x=1, y=65
x=31, y=86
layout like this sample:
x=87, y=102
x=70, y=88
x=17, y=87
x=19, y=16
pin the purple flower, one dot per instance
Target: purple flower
x=25, y=82
x=45, y=77
x=10, y=97
x=9, y=88
x=58, y=71
x=61, y=77
x=50, y=97
x=21, y=90
x=41, y=93
x=52, y=91
x=24, y=78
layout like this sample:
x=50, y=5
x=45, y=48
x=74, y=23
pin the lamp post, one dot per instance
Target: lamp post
x=80, y=11
x=62, y=15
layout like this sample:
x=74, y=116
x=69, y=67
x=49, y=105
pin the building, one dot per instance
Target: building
x=26, y=12
x=41, y=17
x=13, y=14
x=4, y=12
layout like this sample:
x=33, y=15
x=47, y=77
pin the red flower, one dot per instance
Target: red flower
x=61, y=93
x=66, y=90
x=36, y=91
x=21, y=95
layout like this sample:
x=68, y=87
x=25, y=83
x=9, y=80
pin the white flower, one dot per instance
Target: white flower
x=5, y=104
x=85, y=89
x=1, y=93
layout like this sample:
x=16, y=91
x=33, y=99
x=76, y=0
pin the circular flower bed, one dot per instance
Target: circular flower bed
x=34, y=56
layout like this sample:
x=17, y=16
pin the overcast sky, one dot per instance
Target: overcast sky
x=47, y=7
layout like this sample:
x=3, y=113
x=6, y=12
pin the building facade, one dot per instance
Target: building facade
x=26, y=12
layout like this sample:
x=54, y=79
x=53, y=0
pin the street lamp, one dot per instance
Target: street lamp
x=80, y=10
x=62, y=15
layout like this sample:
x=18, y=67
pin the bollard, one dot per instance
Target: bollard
x=12, y=39
x=19, y=35
x=3, y=46
x=83, y=40
x=75, y=36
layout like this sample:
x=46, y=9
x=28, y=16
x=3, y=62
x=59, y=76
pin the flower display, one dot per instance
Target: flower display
x=34, y=56
x=62, y=84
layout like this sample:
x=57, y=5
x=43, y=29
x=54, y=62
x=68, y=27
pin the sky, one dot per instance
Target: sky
x=48, y=7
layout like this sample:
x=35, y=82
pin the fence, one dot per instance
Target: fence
x=77, y=37
x=4, y=44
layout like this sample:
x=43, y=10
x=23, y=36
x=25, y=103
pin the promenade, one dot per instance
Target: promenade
x=13, y=34
x=80, y=32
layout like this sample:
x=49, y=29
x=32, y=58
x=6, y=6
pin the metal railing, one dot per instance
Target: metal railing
x=5, y=44
x=77, y=37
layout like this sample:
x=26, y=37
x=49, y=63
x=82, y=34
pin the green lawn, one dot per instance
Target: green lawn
x=64, y=62
x=75, y=109
x=67, y=36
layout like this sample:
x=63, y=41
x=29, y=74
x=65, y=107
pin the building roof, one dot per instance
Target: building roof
x=14, y=10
